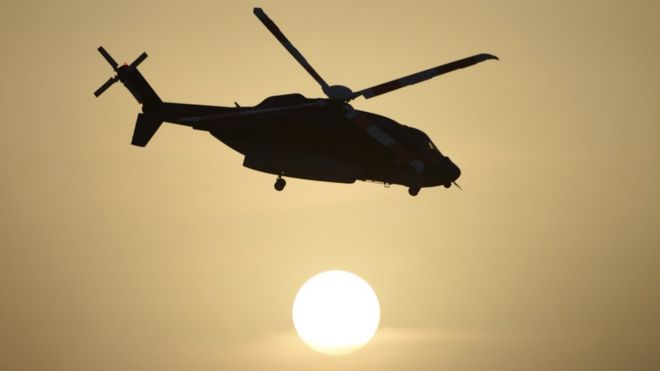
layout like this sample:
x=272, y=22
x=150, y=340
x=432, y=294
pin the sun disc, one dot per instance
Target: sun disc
x=336, y=312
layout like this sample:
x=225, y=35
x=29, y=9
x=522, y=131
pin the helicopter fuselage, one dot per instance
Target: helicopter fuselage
x=316, y=140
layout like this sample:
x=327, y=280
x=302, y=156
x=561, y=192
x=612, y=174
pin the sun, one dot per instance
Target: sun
x=336, y=312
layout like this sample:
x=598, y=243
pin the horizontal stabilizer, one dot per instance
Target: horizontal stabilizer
x=145, y=128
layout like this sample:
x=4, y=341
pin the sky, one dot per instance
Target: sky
x=175, y=257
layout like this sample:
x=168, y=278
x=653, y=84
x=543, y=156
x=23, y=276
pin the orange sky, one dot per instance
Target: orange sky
x=175, y=257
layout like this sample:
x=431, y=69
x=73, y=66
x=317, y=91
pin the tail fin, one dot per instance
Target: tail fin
x=145, y=128
x=147, y=122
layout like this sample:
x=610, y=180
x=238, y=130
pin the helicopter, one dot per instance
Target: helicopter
x=323, y=139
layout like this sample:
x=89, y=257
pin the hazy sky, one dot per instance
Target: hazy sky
x=175, y=257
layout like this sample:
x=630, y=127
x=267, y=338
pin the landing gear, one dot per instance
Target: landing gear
x=413, y=191
x=280, y=183
x=447, y=185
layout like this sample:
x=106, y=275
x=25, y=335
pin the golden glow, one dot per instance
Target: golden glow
x=336, y=312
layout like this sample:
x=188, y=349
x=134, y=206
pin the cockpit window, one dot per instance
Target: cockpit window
x=431, y=146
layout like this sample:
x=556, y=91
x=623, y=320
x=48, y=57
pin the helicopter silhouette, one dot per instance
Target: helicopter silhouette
x=322, y=139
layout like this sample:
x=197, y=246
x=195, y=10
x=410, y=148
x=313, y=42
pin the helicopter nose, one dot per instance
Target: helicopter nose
x=447, y=172
x=454, y=171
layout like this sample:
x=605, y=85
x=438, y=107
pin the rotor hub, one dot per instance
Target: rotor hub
x=338, y=92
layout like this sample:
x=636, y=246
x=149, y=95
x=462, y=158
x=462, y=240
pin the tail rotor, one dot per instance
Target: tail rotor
x=108, y=57
x=105, y=86
x=139, y=60
x=150, y=119
x=119, y=70
x=111, y=80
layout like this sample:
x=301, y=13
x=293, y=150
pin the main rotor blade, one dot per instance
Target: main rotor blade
x=421, y=76
x=108, y=57
x=270, y=25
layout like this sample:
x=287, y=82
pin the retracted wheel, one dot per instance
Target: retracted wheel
x=413, y=191
x=279, y=184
